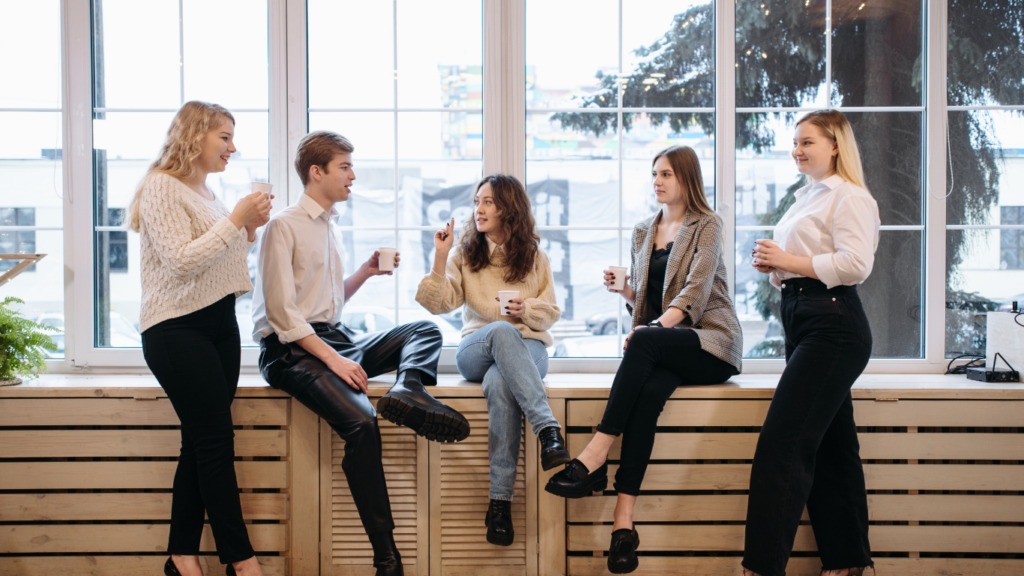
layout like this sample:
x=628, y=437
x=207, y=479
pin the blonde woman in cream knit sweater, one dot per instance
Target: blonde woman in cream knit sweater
x=499, y=251
x=193, y=268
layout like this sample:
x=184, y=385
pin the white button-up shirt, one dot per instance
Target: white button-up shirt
x=300, y=277
x=836, y=224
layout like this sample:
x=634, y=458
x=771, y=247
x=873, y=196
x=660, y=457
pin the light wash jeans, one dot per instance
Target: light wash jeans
x=511, y=368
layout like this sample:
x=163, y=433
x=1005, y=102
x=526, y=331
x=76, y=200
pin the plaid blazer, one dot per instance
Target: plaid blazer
x=695, y=282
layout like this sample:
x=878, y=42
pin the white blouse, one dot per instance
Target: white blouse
x=836, y=224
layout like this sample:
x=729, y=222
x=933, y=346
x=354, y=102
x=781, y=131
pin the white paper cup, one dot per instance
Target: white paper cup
x=262, y=187
x=620, y=277
x=503, y=297
x=387, y=259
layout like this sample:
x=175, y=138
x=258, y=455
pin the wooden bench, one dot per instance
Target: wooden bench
x=86, y=464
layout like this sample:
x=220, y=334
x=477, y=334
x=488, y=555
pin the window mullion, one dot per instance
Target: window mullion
x=725, y=130
x=297, y=101
x=935, y=229
x=278, y=98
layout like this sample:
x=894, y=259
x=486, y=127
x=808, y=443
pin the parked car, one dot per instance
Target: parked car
x=1008, y=305
x=604, y=323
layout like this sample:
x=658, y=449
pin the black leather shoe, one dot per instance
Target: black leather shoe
x=552, y=448
x=499, y=523
x=408, y=404
x=170, y=569
x=622, y=553
x=229, y=570
x=577, y=482
x=386, y=558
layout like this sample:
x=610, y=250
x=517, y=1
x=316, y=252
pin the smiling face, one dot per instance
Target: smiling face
x=486, y=213
x=667, y=189
x=217, y=147
x=814, y=152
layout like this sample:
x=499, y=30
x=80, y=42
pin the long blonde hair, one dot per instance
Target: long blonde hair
x=182, y=147
x=835, y=125
x=686, y=166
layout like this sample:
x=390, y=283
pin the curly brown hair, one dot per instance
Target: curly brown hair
x=521, y=240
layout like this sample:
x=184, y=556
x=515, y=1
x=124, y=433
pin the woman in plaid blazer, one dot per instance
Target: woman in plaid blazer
x=685, y=331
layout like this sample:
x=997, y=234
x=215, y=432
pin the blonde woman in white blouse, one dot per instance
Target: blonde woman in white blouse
x=808, y=453
x=193, y=268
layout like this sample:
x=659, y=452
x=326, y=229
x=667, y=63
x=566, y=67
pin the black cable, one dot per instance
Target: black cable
x=1016, y=319
x=962, y=369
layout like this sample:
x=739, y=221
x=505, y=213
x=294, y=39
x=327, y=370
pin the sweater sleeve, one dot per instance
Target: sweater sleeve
x=169, y=227
x=542, y=312
x=442, y=294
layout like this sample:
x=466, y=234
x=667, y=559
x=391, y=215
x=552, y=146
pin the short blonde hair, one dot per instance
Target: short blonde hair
x=177, y=158
x=317, y=149
x=835, y=125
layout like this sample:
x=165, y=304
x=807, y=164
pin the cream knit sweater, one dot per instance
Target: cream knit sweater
x=477, y=292
x=192, y=255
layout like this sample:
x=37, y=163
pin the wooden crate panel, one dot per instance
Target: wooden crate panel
x=121, y=506
x=65, y=538
x=127, y=475
x=118, y=565
x=126, y=443
x=730, y=566
x=129, y=412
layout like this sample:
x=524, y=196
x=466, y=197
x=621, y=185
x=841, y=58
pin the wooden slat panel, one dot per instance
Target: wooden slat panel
x=981, y=413
x=878, y=446
x=63, y=538
x=117, y=565
x=121, y=506
x=129, y=412
x=881, y=507
x=112, y=475
x=991, y=539
x=126, y=443
x=730, y=566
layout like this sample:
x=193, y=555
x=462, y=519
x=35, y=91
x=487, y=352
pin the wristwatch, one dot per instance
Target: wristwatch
x=655, y=324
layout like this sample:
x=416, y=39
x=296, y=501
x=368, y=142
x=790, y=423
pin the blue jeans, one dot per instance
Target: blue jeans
x=511, y=369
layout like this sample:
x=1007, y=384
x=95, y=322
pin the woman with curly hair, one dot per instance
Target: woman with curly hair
x=504, y=344
x=193, y=268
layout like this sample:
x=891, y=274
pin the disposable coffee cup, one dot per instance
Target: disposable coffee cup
x=503, y=297
x=620, y=277
x=387, y=259
x=262, y=187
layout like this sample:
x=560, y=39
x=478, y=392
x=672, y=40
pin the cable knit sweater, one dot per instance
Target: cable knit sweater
x=478, y=291
x=192, y=255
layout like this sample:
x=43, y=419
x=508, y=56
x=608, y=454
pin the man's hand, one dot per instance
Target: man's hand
x=373, y=264
x=351, y=372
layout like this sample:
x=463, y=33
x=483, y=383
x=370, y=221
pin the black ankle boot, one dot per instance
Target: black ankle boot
x=622, y=552
x=386, y=558
x=408, y=404
x=499, y=523
x=577, y=482
x=552, y=448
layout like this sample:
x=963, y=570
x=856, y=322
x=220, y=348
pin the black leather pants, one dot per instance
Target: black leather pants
x=412, y=349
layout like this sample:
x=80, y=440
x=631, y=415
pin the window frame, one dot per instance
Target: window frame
x=504, y=117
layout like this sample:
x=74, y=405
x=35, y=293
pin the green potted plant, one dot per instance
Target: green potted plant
x=22, y=343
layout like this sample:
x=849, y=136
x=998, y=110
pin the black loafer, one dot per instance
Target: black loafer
x=577, y=482
x=170, y=569
x=552, y=448
x=408, y=404
x=622, y=552
x=499, y=523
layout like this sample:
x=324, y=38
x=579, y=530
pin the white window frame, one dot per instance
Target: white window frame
x=504, y=150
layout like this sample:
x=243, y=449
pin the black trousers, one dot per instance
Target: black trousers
x=656, y=362
x=196, y=359
x=412, y=349
x=808, y=452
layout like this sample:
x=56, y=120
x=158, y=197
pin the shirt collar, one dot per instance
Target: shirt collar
x=312, y=207
x=490, y=245
x=831, y=183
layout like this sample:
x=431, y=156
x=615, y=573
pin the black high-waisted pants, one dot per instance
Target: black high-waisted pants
x=808, y=452
x=196, y=359
x=656, y=362
x=412, y=349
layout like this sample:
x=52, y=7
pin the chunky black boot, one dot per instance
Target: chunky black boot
x=408, y=404
x=622, y=553
x=386, y=558
x=499, y=523
x=552, y=448
x=577, y=482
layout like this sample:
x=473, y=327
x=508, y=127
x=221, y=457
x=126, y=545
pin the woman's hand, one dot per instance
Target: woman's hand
x=251, y=227
x=626, y=341
x=514, y=306
x=767, y=257
x=373, y=264
x=252, y=208
x=445, y=237
x=627, y=291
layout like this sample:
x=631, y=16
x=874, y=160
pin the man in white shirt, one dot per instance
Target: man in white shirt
x=307, y=352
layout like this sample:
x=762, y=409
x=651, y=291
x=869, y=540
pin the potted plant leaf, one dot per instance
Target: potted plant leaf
x=22, y=343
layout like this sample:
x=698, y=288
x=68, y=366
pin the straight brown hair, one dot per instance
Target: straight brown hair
x=521, y=240
x=686, y=167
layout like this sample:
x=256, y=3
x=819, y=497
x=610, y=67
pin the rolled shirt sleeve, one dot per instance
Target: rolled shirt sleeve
x=855, y=226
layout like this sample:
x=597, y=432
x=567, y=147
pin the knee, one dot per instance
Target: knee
x=503, y=331
x=426, y=328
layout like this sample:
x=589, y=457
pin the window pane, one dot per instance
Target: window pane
x=780, y=53
x=556, y=81
x=987, y=157
x=766, y=176
x=41, y=286
x=30, y=30
x=137, y=66
x=231, y=69
x=417, y=250
x=877, y=50
x=668, y=53
x=363, y=81
x=986, y=40
x=373, y=306
x=757, y=303
x=434, y=69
